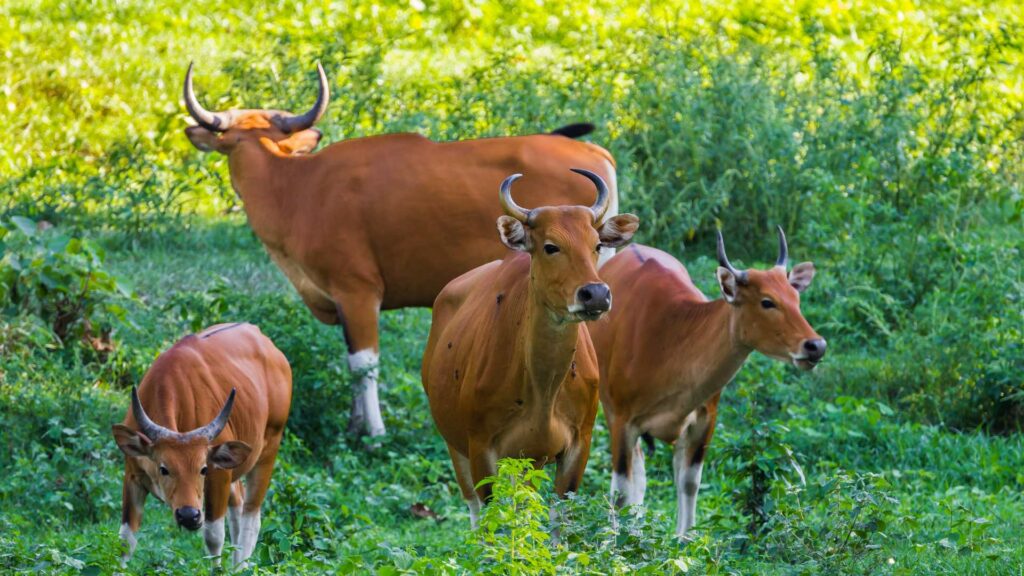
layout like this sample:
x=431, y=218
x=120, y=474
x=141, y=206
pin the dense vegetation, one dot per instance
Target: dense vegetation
x=885, y=138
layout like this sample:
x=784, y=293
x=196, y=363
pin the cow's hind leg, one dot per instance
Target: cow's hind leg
x=235, y=499
x=257, y=481
x=688, y=463
x=360, y=320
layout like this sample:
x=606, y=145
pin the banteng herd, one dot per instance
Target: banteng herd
x=524, y=344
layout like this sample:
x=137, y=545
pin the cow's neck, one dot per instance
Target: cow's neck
x=258, y=177
x=711, y=352
x=550, y=349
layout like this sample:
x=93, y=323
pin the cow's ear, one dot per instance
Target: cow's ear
x=204, y=139
x=801, y=275
x=514, y=234
x=729, y=284
x=229, y=454
x=618, y=230
x=132, y=443
x=302, y=142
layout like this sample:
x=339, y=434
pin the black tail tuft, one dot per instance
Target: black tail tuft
x=649, y=442
x=574, y=130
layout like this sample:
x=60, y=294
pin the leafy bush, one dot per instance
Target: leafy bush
x=514, y=523
x=61, y=281
x=884, y=137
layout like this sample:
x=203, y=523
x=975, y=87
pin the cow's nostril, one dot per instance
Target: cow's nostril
x=187, y=516
x=815, y=348
x=595, y=297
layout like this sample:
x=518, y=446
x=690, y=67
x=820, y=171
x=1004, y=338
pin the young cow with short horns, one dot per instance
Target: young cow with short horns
x=209, y=412
x=509, y=368
x=666, y=352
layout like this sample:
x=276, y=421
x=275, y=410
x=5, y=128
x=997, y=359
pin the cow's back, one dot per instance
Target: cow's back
x=189, y=383
x=645, y=283
x=412, y=214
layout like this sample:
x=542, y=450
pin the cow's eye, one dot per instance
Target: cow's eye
x=551, y=249
x=164, y=471
x=767, y=304
x=203, y=471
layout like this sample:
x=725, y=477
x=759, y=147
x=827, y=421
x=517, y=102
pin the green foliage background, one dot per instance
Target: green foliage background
x=885, y=138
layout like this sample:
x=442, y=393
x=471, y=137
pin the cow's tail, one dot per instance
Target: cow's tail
x=574, y=130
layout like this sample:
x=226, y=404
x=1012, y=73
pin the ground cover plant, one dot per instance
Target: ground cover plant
x=886, y=139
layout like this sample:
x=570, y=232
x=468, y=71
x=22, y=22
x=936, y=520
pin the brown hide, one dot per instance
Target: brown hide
x=480, y=331
x=666, y=352
x=185, y=389
x=664, y=349
x=383, y=222
x=398, y=216
x=509, y=368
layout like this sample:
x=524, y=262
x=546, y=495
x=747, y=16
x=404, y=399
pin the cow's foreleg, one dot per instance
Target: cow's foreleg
x=688, y=463
x=133, y=497
x=482, y=463
x=464, y=476
x=360, y=318
x=218, y=492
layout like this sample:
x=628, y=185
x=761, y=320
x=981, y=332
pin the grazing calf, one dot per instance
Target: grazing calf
x=366, y=224
x=509, y=368
x=666, y=352
x=209, y=412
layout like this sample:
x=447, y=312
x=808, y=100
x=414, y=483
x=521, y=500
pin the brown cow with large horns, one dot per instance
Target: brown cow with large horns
x=209, y=412
x=666, y=352
x=368, y=224
x=509, y=368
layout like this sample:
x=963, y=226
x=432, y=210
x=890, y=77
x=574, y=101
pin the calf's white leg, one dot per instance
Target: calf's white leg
x=213, y=535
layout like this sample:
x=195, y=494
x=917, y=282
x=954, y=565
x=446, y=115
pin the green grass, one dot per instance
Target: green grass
x=885, y=138
x=956, y=500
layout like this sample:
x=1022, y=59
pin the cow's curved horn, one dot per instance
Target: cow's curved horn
x=723, y=261
x=783, y=259
x=601, y=205
x=213, y=429
x=508, y=204
x=151, y=429
x=311, y=117
x=213, y=121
